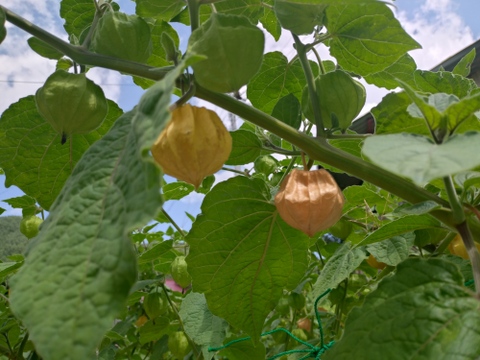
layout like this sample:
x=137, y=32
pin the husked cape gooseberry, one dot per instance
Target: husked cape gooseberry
x=193, y=145
x=310, y=201
x=124, y=36
x=71, y=103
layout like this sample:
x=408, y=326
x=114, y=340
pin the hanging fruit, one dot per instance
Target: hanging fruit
x=124, y=36
x=193, y=145
x=457, y=247
x=309, y=201
x=180, y=273
x=71, y=103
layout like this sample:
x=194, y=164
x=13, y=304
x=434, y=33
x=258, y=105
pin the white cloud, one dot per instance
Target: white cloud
x=439, y=29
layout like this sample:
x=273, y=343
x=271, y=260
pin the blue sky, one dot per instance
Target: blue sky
x=442, y=27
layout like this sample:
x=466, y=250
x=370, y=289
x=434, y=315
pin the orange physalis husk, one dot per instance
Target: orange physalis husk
x=310, y=201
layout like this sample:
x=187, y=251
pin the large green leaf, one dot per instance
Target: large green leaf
x=401, y=226
x=345, y=260
x=366, y=37
x=299, y=17
x=288, y=110
x=394, y=250
x=276, y=79
x=81, y=266
x=246, y=147
x=204, y=328
x=31, y=153
x=158, y=57
x=161, y=10
x=78, y=15
x=391, y=116
x=243, y=253
x=402, y=69
x=421, y=312
x=441, y=81
x=419, y=159
x=252, y=9
x=270, y=21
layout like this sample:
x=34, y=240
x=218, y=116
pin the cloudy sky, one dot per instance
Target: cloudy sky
x=442, y=27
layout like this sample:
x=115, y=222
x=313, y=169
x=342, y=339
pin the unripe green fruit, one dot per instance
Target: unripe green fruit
x=123, y=36
x=179, y=272
x=296, y=300
x=265, y=164
x=283, y=306
x=341, y=229
x=154, y=305
x=29, y=226
x=71, y=103
x=301, y=334
x=178, y=344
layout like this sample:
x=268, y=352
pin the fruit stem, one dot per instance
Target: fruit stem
x=312, y=91
x=182, y=233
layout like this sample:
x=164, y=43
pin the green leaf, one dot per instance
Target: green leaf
x=158, y=58
x=43, y=49
x=341, y=99
x=8, y=268
x=276, y=79
x=366, y=37
x=345, y=260
x=31, y=153
x=177, y=190
x=288, y=110
x=156, y=252
x=394, y=250
x=299, y=17
x=464, y=66
x=79, y=270
x=204, y=328
x=3, y=29
x=223, y=40
x=21, y=202
x=244, y=350
x=243, y=253
x=419, y=159
x=246, y=147
x=351, y=146
x=78, y=15
x=467, y=179
x=359, y=196
x=418, y=209
x=160, y=10
x=399, y=227
x=391, y=116
x=270, y=21
x=421, y=312
x=252, y=9
x=153, y=331
x=442, y=81
x=402, y=69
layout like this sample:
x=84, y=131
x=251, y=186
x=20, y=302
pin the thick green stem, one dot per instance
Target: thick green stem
x=473, y=254
x=194, y=11
x=457, y=208
x=312, y=90
x=81, y=56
